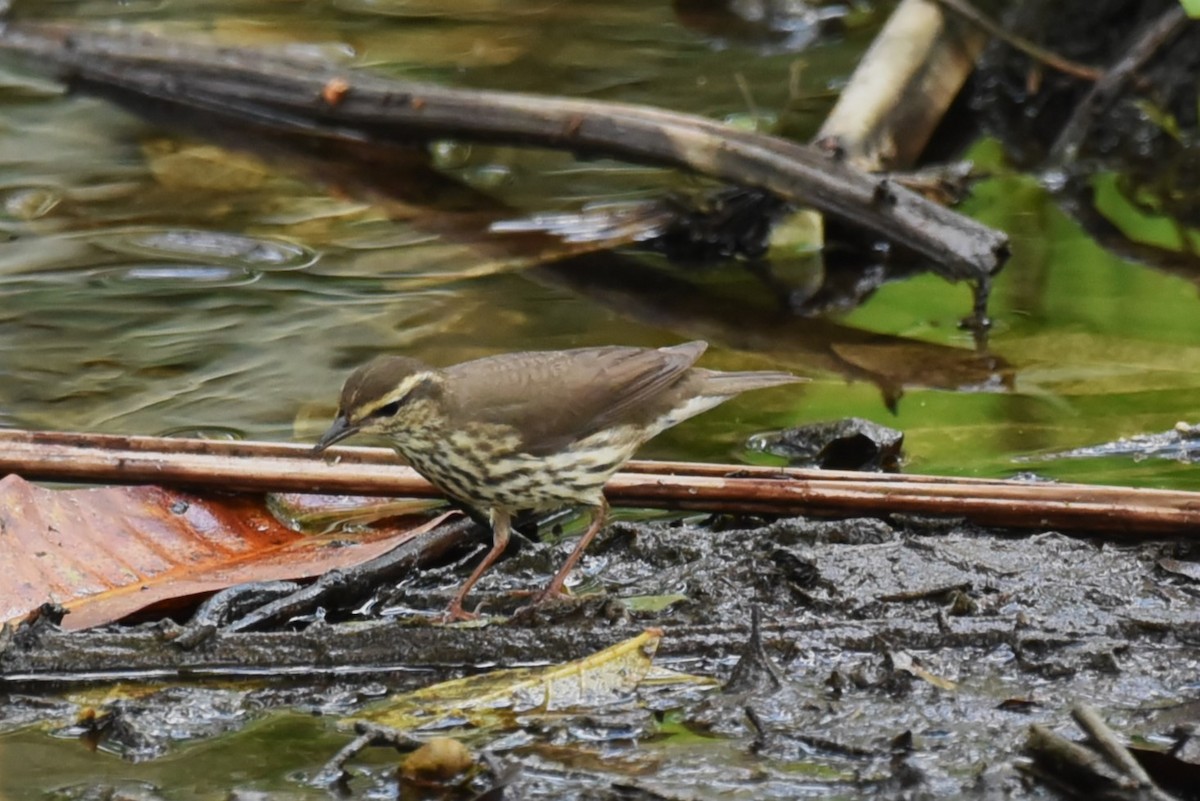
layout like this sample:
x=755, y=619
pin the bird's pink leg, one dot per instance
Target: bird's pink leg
x=501, y=528
x=555, y=587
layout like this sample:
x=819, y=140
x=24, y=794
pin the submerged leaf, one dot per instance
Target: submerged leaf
x=203, y=167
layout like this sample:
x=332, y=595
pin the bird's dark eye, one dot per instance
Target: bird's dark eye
x=387, y=409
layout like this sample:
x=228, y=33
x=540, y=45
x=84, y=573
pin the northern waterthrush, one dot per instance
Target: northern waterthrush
x=532, y=430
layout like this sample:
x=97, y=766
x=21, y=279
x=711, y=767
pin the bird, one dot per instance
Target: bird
x=531, y=430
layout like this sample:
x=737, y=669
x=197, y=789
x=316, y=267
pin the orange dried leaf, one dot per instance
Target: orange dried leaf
x=108, y=552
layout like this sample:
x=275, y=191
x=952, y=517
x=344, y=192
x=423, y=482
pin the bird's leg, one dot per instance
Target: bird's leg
x=555, y=587
x=501, y=528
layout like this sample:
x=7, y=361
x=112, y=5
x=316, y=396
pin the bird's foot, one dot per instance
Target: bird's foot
x=456, y=614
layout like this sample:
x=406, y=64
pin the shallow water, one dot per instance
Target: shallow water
x=156, y=283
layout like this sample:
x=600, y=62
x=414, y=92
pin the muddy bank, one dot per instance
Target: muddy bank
x=909, y=658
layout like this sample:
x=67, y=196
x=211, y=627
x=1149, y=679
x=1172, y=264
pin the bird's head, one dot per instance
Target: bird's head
x=385, y=396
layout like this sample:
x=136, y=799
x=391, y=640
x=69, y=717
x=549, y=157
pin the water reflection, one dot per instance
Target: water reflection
x=154, y=280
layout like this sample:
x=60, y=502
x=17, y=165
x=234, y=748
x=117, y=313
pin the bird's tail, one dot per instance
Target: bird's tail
x=720, y=383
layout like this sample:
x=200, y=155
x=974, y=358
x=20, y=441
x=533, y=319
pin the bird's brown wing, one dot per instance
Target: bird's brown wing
x=556, y=397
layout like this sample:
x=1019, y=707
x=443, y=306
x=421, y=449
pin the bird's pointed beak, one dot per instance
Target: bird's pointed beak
x=340, y=430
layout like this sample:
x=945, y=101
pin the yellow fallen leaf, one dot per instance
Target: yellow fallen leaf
x=904, y=661
x=496, y=698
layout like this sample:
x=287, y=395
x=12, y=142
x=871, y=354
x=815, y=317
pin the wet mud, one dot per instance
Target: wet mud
x=905, y=658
